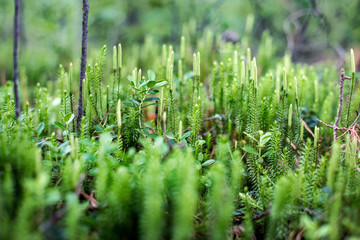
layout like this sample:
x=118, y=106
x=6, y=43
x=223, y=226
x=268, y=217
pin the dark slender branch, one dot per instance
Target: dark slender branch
x=15, y=58
x=83, y=59
x=308, y=210
x=261, y=215
x=21, y=23
x=342, y=79
x=332, y=127
x=43, y=141
x=104, y=118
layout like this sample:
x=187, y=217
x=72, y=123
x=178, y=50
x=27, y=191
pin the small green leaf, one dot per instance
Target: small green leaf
x=265, y=138
x=156, y=103
x=266, y=135
x=250, y=150
x=239, y=211
x=151, y=75
x=200, y=157
x=134, y=101
x=70, y=119
x=153, y=136
x=143, y=84
x=185, y=135
x=40, y=128
x=268, y=153
x=88, y=157
x=128, y=105
x=67, y=117
x=160, y=83
x=99, y=128
x=60, y=125
x=264, y=141
x=49, y=144
x=150, y=84
x=170, y=135
x=148, y=124
x=132, y=80
x=153, y=92
x=208, y=162
x=140, y=131
x=251, y=136
x=149, y=99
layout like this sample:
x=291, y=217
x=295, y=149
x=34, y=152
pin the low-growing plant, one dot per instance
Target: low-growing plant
x=204, y=150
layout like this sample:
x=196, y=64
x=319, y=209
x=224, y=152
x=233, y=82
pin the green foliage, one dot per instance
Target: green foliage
x=219, y=203
x=218, y=151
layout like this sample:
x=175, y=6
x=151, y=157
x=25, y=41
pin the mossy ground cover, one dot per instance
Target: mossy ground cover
x=204, y=141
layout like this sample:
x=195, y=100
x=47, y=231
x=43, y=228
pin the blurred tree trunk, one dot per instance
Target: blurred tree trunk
x=15, y=58
x=83, y=59
x=132, y=17
x=175, y=22
x=21, y=23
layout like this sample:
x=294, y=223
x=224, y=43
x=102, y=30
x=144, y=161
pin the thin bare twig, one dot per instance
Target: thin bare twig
x=341, y=98
x=308, y=210
x=216, y=116
x=212, y=153
x=106, y=115
x=351, y=126
x=261, y=215
x=43, y=141
x=104, y=118
x=299, y=235
x=307, y=128
x=243, y=156
x=330, y=126
x=93, y=204
x=293, y=146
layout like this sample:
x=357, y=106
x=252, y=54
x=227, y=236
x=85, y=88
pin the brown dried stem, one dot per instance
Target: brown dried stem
x=341, y=98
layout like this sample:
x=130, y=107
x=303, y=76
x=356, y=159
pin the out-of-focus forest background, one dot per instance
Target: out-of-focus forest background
x=312, y=30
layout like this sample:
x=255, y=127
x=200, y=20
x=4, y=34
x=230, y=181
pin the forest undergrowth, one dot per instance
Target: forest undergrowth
x=203, y=140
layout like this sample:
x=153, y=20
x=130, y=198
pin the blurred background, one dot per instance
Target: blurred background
x=311, y=30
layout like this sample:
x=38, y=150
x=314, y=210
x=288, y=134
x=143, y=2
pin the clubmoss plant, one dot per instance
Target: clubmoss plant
x=230, y=147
